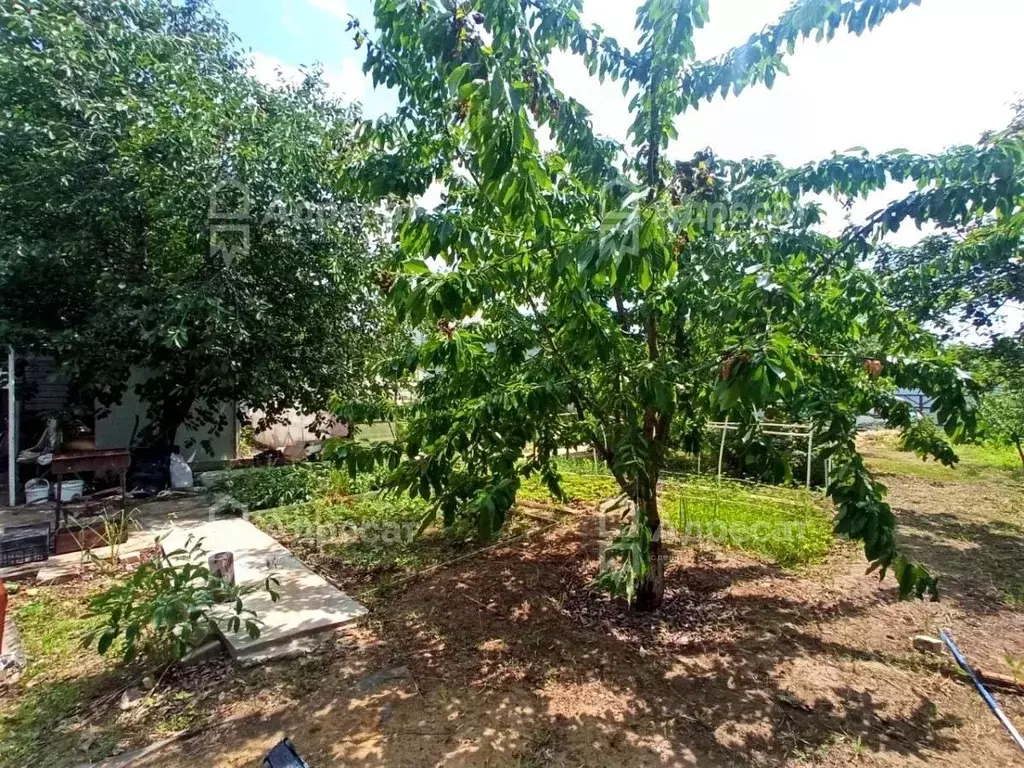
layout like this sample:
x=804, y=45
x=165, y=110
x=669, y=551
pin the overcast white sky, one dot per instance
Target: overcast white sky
x=927, y=78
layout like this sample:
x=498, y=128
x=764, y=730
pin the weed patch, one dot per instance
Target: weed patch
x=267, y=487
x=60, y=677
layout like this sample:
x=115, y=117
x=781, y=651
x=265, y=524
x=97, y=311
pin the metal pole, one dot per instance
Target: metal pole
x=810, y=447
x=12, y=453
x=992, y=704
x=721, y=448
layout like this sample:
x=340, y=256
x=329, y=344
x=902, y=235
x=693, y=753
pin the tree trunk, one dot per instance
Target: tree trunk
x=1020, y=450
x=651, y=591
x=171, y=414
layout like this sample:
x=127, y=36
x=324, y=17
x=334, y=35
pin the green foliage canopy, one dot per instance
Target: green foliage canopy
x=973, y=267
x=127, y=130
x=574, y=291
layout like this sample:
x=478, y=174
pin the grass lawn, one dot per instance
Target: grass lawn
x=37, y=727
x=375, y=432
x=790, y=527
x=368, y=540
x=787, y=526
x=369, y=533
x=977, y=462
x=358, y=538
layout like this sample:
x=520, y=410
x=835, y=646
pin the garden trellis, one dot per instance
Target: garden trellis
x=776, y=429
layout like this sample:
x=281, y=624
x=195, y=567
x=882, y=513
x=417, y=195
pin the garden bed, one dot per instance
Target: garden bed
x=508, y=658
x=368, y=541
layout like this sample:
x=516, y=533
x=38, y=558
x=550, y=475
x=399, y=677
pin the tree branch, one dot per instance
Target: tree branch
x=761, y=57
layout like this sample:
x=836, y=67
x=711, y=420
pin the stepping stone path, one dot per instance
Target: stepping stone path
x=308, y=605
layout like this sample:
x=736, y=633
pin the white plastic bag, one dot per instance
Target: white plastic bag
x=181, y=473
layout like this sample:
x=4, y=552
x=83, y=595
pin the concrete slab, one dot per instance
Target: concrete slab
x=295, y=648
x=257, y=555
x=59, y=573
x=152, y=518
x=12, y=656
x=308, y=604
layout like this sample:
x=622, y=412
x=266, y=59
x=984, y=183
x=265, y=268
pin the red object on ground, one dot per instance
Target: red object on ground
x=3, y=613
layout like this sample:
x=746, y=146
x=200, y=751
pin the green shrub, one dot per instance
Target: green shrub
x=364, y=482
x=167, y=607
x=270, y=487
x=267, y=487
x=925, y=438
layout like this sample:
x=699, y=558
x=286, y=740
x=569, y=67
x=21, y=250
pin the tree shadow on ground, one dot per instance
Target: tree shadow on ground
x=512, y=660
x=978, y=563
x=48, y=724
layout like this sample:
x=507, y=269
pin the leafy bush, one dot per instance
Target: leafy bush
x=167, y=607
x=269, y=487
x=365, y=482
x=1002, y=413
x=925, y=438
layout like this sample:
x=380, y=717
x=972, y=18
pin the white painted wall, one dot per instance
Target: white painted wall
x=115, y=429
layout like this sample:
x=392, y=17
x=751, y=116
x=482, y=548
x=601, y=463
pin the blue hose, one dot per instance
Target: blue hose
x=992, y=703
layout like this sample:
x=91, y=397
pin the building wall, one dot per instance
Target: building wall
x=42, y=390
x=115, y=430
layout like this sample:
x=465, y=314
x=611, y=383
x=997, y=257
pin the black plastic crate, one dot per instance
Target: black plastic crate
x=21, y=544
x=284, y=755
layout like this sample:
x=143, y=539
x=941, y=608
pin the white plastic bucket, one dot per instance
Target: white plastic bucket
x=36, y=491
x=69, y=489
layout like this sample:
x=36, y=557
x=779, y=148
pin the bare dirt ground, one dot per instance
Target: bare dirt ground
x=508, y=659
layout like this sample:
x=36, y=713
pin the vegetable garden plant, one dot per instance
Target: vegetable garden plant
x=571, y=290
